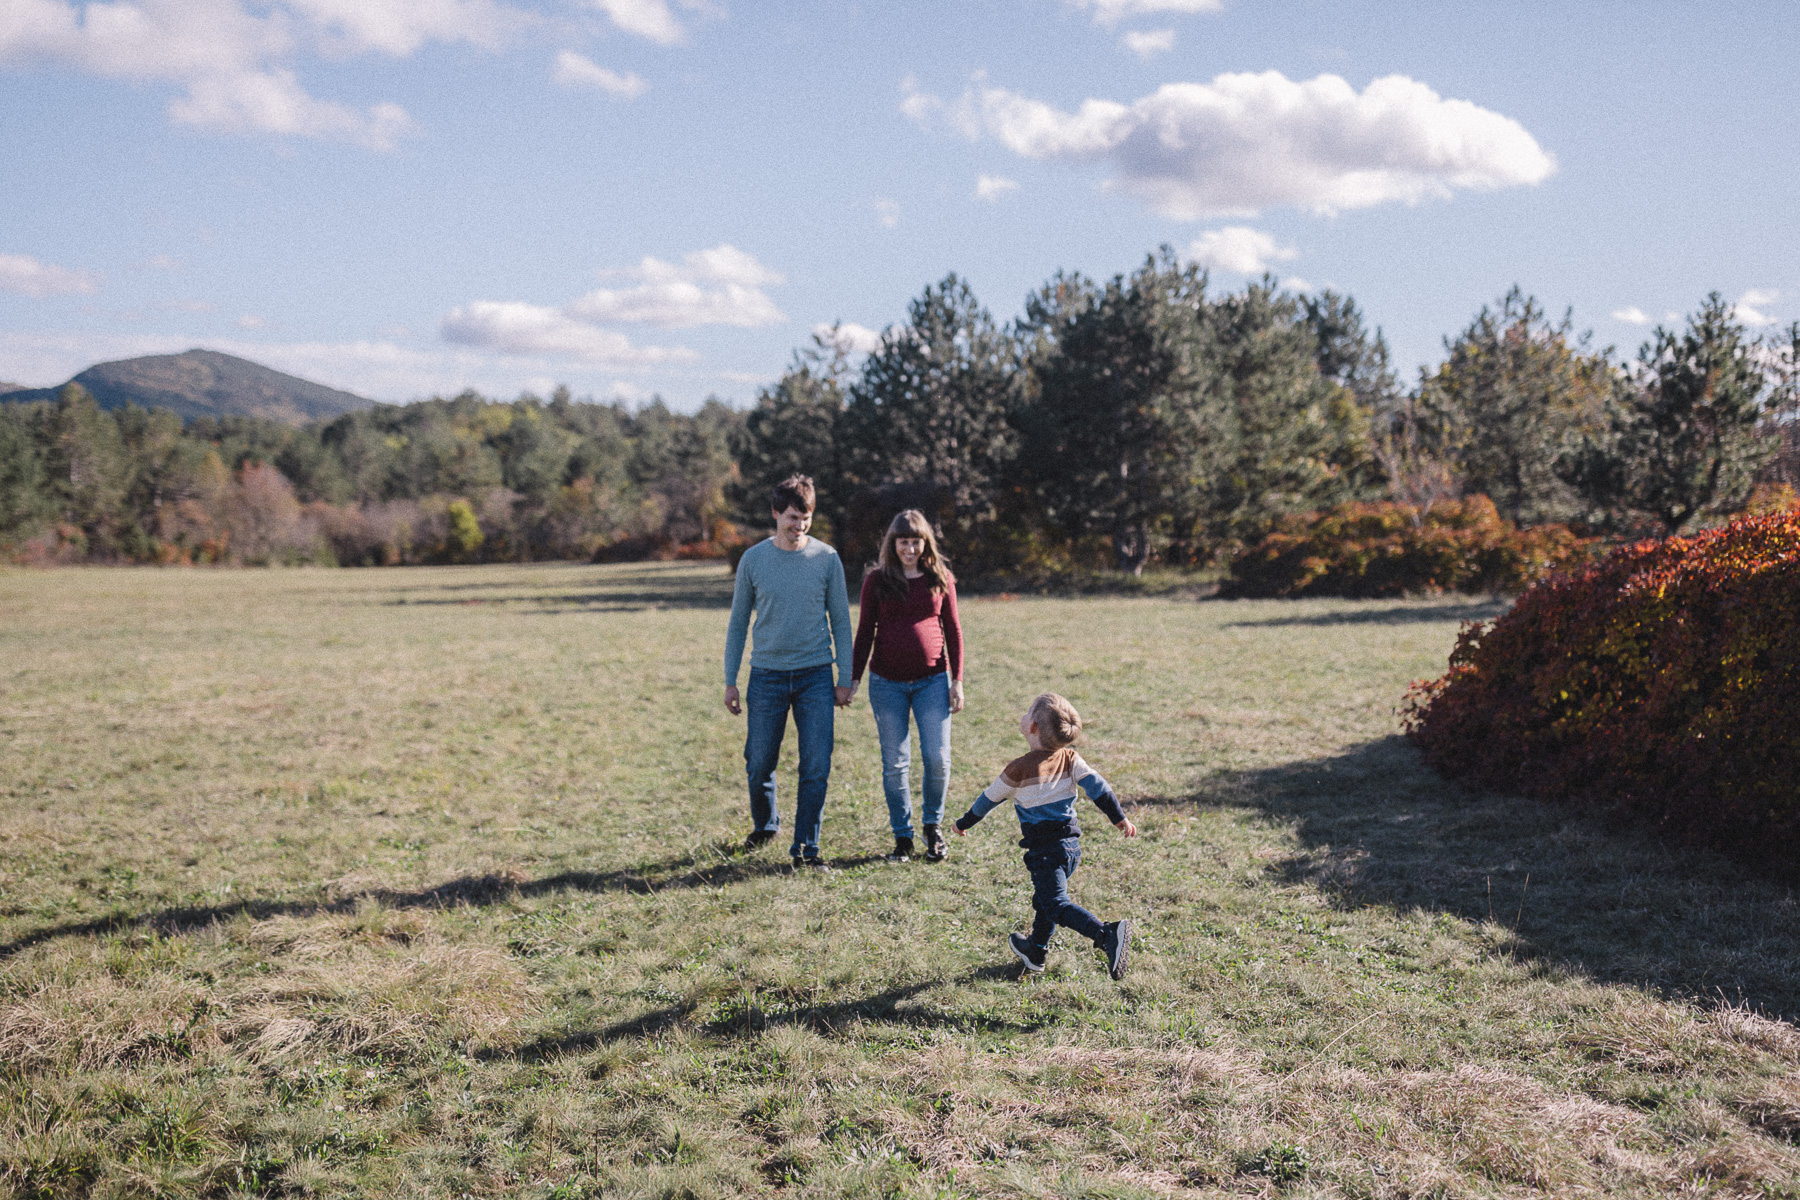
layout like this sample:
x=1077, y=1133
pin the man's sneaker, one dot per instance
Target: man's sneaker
x=903, y=850
x=811, y=862
x=935, y=848
x=1116, y=945
x=759, y=838
x=1032, y=956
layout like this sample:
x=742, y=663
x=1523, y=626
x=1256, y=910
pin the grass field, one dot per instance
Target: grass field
x=421, y=883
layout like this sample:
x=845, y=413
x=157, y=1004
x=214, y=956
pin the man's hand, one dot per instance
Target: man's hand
x=956, y=696
x=1126, y=827
x=844, y=696
x=733, y=705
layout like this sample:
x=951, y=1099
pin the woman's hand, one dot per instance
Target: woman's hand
x=956, y=696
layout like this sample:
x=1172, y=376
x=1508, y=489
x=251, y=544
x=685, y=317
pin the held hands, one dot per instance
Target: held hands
x=1126, y=827
x=845, y=695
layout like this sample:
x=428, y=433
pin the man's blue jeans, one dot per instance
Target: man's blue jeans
x=766, y=703
x=928, y=701
x=1050, y=868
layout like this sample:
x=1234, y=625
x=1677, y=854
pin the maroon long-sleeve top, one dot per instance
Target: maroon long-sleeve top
x=911, y=638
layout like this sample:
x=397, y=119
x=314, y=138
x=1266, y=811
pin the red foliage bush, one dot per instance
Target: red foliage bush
x=1662, y=682
x=1393, y=549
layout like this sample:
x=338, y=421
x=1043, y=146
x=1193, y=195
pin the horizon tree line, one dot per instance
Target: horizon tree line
x=1109, y=425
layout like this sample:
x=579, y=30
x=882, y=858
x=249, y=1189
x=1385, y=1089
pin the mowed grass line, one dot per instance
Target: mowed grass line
x=421, y=883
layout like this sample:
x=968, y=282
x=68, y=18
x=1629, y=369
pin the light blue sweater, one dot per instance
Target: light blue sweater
x=802, y=610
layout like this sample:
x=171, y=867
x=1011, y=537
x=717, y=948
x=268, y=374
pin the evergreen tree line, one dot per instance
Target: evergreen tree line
x=1144, y=418
x=1110, y=425
x=460, y=480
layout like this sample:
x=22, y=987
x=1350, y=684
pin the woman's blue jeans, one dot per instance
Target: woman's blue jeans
x=808, y=692
x=928, y=702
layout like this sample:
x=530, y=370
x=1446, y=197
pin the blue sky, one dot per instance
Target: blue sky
x=637, y=197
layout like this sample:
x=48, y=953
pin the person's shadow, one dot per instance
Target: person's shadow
x=716, y=865
x=1376, y=827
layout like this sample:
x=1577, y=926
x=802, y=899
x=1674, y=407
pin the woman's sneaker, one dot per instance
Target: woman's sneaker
x=903, y=850
x=1032, y=956
x=1116, y=945
x=936, y=850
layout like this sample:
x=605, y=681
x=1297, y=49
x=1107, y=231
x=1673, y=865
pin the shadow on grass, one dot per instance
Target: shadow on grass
x=720, y=866
x=740, y=1014
x=1376, y=827
x=1485, y=610
x=612, y=600
x=618, y=589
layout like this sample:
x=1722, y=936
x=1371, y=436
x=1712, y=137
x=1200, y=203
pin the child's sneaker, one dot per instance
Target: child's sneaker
x=1116, y=945
x=935, y=848
x=811, y=862
x=903, y=850
x=1032, y=956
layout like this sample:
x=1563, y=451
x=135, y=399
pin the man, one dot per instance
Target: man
x=795, y=586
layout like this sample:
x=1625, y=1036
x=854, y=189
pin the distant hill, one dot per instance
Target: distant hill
x=12, y=387
x=204, y=383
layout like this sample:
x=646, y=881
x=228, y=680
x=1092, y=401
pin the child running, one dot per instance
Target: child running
x=1042, y=787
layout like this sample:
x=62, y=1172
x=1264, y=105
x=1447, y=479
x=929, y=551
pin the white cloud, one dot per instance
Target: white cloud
x=233, y=58
x=274, y=102
x=1149, y=43
x=251, y=321
x=530, y=329
x=1245, y=142
x=721, y=286
x=399, y=27
x=1748, y=305
x=1239, y=249
x=1111, y=12
x=575, y=71
x=992, y=187
x=646, y=18
x=26, y=276
x=920, y=106
x=888, y=213
x=1631, y=315
x=854, y=338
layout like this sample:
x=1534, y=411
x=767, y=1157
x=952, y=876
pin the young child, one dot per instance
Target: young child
x=1042, y=786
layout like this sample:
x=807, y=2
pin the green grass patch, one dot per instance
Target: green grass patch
x=423, y=882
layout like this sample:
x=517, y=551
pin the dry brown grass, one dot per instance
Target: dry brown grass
x=337, y=883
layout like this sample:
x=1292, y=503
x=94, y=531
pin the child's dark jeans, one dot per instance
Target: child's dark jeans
x=1050, y=866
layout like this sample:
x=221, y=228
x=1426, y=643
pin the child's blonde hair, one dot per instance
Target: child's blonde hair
x=1058, y=724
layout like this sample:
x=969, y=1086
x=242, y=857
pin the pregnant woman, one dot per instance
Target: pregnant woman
x=910, y=641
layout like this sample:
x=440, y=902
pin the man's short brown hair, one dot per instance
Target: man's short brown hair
x=796, y=491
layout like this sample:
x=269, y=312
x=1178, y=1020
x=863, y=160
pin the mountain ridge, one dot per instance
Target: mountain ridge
x=203, y=383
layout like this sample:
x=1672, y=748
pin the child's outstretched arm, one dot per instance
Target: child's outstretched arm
x=1101, y=793
x=992, y=796
x=980, y=807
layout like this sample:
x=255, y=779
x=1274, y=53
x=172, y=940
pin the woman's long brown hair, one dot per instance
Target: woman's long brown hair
x=911, y=523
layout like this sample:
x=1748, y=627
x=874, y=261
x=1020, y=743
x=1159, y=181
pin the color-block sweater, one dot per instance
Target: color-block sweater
x=1042, y=786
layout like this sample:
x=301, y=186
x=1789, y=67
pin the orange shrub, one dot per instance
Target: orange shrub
x=1393, y=549
x=1662, y=682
